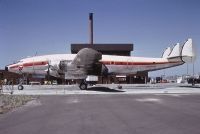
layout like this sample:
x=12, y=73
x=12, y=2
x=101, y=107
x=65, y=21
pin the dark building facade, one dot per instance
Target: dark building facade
x=109, y=49
x=9, y=76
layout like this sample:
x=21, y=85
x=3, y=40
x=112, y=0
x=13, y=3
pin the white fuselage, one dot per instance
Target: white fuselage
x=115, y=64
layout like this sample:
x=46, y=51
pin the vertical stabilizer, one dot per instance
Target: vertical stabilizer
x=188, y=51
x=166, y=52
x=176, y=51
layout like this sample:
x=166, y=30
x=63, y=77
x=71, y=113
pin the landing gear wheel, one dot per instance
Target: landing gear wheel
x=20, y=87
x=83, y=86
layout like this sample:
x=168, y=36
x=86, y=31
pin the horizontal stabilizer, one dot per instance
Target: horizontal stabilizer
x=188, y=51
x=166, y=52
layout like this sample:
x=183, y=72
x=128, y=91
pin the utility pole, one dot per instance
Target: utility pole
x=193, y=80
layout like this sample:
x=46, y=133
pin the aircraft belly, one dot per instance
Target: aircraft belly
x=160, y=66
x=121, y=69
x=27, y=69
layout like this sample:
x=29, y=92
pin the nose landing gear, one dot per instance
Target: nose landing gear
x=20, y=87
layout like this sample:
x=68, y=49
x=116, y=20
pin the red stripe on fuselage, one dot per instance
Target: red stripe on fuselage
x=38, y=63
x=133, y=63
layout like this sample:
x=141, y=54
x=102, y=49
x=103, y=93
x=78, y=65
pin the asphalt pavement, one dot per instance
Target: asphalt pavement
x=106, y=114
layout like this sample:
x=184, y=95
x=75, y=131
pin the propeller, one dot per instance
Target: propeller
x=20, y=68
x=48, y=70
x=52, y=70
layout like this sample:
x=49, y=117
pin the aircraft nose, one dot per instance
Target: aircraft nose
x=6, y=68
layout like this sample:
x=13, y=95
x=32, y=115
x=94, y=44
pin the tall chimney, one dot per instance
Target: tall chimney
x=91, y=28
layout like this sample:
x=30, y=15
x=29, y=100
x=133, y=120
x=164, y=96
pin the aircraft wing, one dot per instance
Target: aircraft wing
x=85, y=63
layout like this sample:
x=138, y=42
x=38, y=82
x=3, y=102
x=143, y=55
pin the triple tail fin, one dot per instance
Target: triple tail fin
x=174, y=53
x=186, y=52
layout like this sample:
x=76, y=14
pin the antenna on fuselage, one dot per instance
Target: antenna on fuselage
x=36, y=53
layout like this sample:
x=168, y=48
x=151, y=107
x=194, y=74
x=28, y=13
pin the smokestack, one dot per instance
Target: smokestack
x=91, y=27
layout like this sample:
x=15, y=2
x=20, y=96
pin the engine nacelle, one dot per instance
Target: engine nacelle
x=54, y=65
x=96, y=69
x=54, y=69
x=54, y=73
x=63, y=65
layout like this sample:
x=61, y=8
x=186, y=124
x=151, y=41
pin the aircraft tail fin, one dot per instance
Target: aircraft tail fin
x=188, y=51
x=185, y=53
x=176, y=52
x=166, y=52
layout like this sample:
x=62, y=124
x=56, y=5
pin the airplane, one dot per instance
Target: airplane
x=91, y=62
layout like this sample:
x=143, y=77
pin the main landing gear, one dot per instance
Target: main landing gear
x=20, y=87
x=83, y=85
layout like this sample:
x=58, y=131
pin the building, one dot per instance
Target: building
x=9, y=76
x=109, y=49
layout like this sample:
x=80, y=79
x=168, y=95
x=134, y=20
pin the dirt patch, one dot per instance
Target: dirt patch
x=9, y=102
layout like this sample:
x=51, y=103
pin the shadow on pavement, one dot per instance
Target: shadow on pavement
x=190, y=86
x=103, y=89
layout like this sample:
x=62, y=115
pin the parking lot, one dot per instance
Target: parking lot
x=106, y=114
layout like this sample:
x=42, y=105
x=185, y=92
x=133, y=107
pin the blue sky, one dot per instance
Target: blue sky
x=28, y=27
